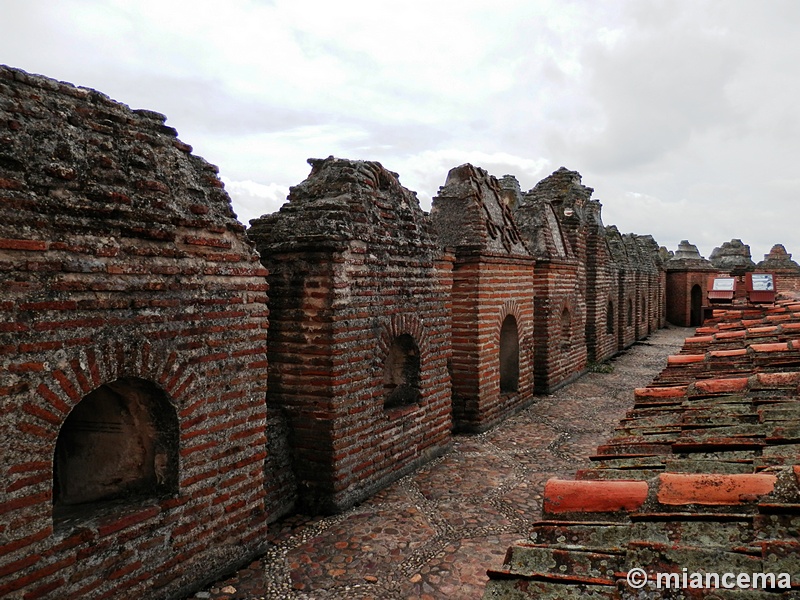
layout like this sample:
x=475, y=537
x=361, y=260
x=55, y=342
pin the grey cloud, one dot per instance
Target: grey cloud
x=657, y=92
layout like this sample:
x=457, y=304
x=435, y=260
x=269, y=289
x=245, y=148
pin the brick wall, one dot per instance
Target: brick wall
x=559, y=325
x=360, y=331
x=679, y=293
x=786, y=271
x=492, y=287
x=124, y=275
x=141, y=457
x=602, y=293
x=611, y=285
x=552, y=219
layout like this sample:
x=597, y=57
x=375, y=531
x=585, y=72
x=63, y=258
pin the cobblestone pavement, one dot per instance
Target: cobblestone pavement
x=434, y=533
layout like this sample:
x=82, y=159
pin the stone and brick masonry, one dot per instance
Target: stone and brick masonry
x=146, y=443
x=360, y=333
x=492, y=299
x=133, y=328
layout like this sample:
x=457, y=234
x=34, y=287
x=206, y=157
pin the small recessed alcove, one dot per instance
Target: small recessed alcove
x=509, y=356
x=610, y=318
x=401, y=373
x=118, y=447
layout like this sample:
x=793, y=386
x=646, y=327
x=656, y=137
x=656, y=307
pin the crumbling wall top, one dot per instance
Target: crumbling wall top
x=616, y=245
x=471, y=214
x=345, y=200
x=687, y=258
x=778, y=260
x=732, y=256
x=650, y=252
x=512, y=193
x=87, y=157
x=561, y=187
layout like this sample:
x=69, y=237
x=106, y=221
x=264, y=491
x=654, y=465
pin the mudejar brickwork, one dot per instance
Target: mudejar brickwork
x=173, y=381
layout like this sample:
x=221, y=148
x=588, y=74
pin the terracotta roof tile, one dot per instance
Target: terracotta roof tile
x=682, y=359
x=713, y=489
x=727, y=335
x=660, y=392
x=774, y=347
x=704, y=470
x=699, y=339
x=761, y=330
x=570, y=496
x=786, y=379
x=728, y=353
x=722, y=386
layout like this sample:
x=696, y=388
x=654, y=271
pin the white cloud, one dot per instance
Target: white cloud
x=252, y=200
x=682, y=114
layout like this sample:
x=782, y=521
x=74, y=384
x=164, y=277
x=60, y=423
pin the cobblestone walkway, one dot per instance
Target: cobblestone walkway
x=433, y=534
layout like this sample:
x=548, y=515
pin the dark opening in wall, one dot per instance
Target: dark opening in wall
x=509, y=356
x=610, y=318
x=566, y=328
x=119, y=445
x=401, y=372
x=643, y=316
x=696, y=316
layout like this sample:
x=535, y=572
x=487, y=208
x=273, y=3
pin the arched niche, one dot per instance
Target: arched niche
x=401, y=372
x=509, y=356
x=118, y=446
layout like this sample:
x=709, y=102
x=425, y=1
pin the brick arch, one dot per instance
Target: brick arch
x=510, y=350
x=404, y=323
x=611, y=315
x=120, y=443
x=75, y=374
x=510, y=307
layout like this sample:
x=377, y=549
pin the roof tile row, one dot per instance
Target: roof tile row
x=701, y=476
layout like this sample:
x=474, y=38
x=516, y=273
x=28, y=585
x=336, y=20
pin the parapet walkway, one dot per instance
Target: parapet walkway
x=433, y=534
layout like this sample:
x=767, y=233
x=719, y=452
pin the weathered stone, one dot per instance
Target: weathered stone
x=360, y=337
x=133, y=352
x=733, y=256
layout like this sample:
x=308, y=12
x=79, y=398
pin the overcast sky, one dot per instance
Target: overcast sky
x=683, y=115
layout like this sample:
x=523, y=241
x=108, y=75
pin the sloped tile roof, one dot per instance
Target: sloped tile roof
x=701, y=476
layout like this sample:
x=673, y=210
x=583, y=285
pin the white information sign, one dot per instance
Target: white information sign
x=723, y=284
x=762, y=282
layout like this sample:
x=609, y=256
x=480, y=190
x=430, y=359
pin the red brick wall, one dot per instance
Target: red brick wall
x=601, y=287
x=492, y=279
x=787, y=282
x=558, y=358
x=679, y=294
x=353, y=266
x=120, y=257
x=485, y=291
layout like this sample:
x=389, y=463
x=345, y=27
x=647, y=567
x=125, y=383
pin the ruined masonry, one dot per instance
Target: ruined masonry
x=173, y=382
x=360, y=332
x=133, y=336
x=492, y=304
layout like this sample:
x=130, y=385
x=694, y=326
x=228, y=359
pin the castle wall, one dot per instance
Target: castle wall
x=492, y=295
x=559, y=325
x=143, y=453
x=786, y=271
x=486, y=292
x=360, y=336
x=133, y=328
x=601, y=286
